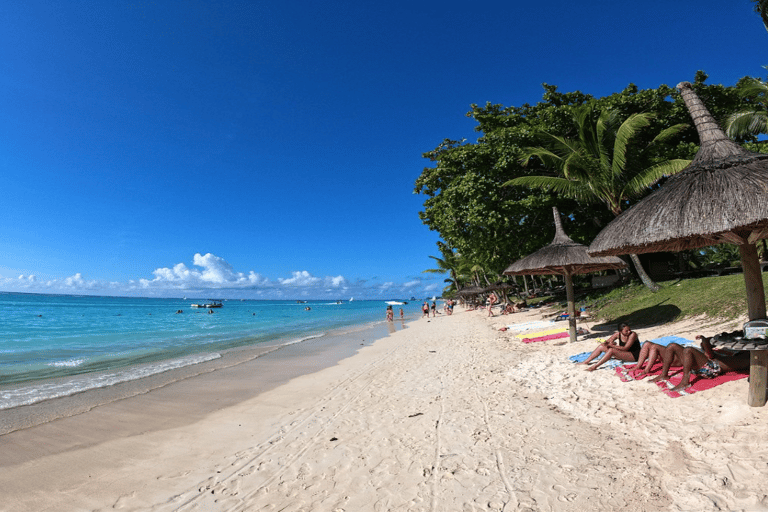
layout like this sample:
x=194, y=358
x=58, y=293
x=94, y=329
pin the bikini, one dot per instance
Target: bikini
x=635, y=350
x=710, y=370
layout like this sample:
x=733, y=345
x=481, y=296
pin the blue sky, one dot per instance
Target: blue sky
x=269, y=149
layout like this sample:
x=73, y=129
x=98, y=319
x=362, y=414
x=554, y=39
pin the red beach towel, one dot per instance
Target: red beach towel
x=629, y=372
x=547, y=337
x=699, y=383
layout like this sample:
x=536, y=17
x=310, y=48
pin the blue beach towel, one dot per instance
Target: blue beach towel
x=612, y=363
x=666, y=340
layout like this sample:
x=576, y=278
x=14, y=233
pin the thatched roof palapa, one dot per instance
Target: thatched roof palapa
x=564, y=257
x=722, y=196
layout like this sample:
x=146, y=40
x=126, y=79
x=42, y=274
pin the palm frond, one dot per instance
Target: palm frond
x=549, y=159
x=668, y=133
x=569, y=188
x=746, y=123
x=651, y=175
x=624, y=134
x=754, y=88
x=603, y=131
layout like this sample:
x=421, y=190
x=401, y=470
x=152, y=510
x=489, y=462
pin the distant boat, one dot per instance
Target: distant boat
x=351, y=299
x=395, y=302
x=209, y=304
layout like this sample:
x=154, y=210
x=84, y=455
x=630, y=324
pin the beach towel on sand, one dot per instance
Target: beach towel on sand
x=699, y=383
x=553, y=336
x=628, y=373
x=611, y=363
x=528, y=326
x=539, y=334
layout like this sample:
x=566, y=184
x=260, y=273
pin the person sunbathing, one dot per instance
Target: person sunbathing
x=650, y=354
x=623, y=345
x=705, y=362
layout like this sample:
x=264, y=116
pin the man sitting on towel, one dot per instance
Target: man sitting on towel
x=707, y=362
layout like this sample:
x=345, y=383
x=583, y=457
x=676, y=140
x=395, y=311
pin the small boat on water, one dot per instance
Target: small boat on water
x=395, y=302
x=209, y=304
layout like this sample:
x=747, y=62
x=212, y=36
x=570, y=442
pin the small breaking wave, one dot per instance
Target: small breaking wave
x=306, y=338
x=29, y=395
x=72, y=363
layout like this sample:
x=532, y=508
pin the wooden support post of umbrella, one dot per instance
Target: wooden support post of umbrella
x=566, y=258
x=721, y=197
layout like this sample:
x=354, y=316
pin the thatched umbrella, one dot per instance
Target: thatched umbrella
x=722, y=196
x=470, y=290
x=564, y=257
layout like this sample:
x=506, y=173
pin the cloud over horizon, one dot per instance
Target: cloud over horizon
x=213, y=273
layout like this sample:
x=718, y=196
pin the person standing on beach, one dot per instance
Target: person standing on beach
x=425, y=310
x=401, y=314
x=390, y=314
x=434, y=309
x=491, y=301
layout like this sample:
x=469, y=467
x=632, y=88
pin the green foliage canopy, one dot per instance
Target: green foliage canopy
x=492, y=225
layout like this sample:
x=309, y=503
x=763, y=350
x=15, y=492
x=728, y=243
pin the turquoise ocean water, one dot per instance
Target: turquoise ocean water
x=107, y=340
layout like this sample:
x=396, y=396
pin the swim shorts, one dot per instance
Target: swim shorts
x=710, y=370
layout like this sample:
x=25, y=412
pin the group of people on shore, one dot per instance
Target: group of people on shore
x=510, y=307
x=706, y=362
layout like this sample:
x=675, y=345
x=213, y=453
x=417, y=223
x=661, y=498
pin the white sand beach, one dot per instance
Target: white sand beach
x=449, y=414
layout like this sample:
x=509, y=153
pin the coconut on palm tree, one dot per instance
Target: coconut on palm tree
x=602, y=163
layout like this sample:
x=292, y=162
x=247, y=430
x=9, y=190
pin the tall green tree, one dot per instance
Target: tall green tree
x=492, y=225
x=600, y=164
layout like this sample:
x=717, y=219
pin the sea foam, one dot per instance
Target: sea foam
x=28, y=395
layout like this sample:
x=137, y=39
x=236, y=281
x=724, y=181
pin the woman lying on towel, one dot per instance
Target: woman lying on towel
x=707, y=363
x=622, y=345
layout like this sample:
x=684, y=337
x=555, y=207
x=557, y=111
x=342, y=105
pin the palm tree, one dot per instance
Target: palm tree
x=450, y=263
x=599, y=165
x=750, y=122
x=761, y=8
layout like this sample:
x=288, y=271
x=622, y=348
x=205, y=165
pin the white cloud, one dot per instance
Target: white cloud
x=302, y=278
x=209, y=272
x=336, y=282
x=216, y=273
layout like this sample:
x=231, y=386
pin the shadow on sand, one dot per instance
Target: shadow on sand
x=647, y=317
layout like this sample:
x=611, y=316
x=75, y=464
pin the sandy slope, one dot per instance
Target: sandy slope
x=448, y=414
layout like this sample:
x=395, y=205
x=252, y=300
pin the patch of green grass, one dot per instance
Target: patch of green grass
x=717, y=297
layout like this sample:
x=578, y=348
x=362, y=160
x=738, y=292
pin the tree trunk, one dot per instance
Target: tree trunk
x=644, y=277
